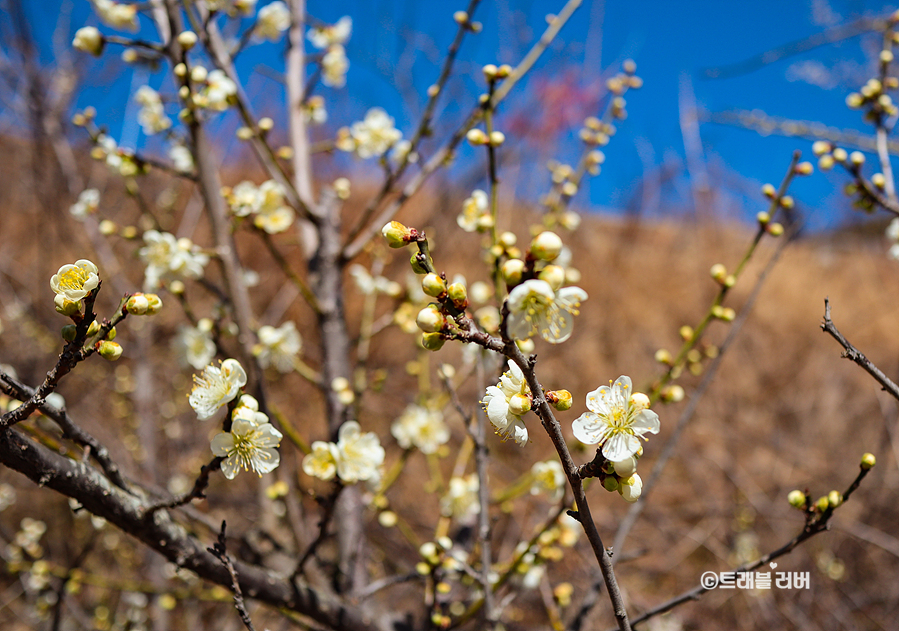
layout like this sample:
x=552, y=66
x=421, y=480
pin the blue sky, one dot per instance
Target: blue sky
x=397, y=46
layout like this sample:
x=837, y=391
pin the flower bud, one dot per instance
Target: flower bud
x=840, y=155
x=397, y=234
x=610, y=483
x=198, y=74
x=417, y=262
x=66, y=307
x=769, y=191
x=433, y=285
x=825, y=163
x=497, y=138
x=820, y=147
x=155, y=304
x=786, y=202
x=93, y=328
x=775, y=229
x=137, y=305
x=111, y=334
x=640, y=400
x=632, y=488
x=796, y=498
x=878, y=180
x=512, y=271
x=180, y=70
x=430, y=320
x=854, y=100
x=663, y=356
x=458, y=294
x=673, y=394
x=554, y=275
x=489, y=72
x=857, y=158
x=804, y=168
x=68, y=332
x=624, y=469
x=718, y=272
x=822, y=504
x=476, y=137
x=519, y=404
x=266, y=123
x=187, y=39
x=686, y=333
x=559, y=399
x=432, y=341
x=834, y=499
x=89, y=40
x=526, y=346
x=461, y=17
x=868, y=461
x=546, y=246
x=109, y=351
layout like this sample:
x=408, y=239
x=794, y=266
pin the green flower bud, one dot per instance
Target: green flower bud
x=137, y=305
x=397, y=234
x=610, y=483
x=110, y=351
x=519, y=404
x=822, y=503
x=559, y=399
x=68, y=332
x=546, y=246
x=868, y=461
x=430, y=320
x=796, y=498
x=433, y=341
x=834, y=499
x=554, y=275
x=418, y=265
x=66, y=307
x=111, y=335
x=458, y=294
x=718, y=272
x=433, y=285
x=155, y=304
x=512, y=271
x=93, y=328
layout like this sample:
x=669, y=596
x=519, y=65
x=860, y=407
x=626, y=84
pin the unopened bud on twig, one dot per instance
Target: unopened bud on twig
x=868, y=461
x=397, y=234
x=109, y=351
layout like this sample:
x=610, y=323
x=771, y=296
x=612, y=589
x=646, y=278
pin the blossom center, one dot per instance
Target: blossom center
x=73, y=279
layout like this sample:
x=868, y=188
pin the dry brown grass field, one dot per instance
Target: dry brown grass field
x=784, y=412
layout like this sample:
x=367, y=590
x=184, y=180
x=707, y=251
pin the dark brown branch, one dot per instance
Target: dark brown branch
x=197, y=492
x=100, y=497
x=856, y=355
x=220, y=551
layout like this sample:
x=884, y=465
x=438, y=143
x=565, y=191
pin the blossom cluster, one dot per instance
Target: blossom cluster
x=371, y=137
x=169, y=258
x=420, y=427
x=331, y=38
x=278, y=347
x=355, y=457
x=266, y=202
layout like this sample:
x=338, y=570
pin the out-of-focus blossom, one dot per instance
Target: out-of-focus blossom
x=420, y=427
x=371, y=137
x=360, y=456
x=117, y=14
x=331, y=34
x=278, y=347
x=151, y=116
x=272, y=20
x=87, y=204
x=461, y=499
x=168, y=258
x=194, y=345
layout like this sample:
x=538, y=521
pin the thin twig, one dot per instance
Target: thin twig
x=220, y=551
x=856, y=355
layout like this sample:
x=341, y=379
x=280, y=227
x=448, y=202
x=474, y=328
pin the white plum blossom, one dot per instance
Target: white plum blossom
x=278, y=347
x=371, y=137
x=182, y=158
x=89, y=40
x=335, y=66
x=272, y=20
x=420, y=427
x=272, y=214
x=244, y=199
x=219, y=88
x=194, y=345
x=321, y=462
x=360, y=456
x=549, y=478
x=475, y=213
x=151, y=116
x=74, y=282
x=461, y=499
x=117, y=159
x=503, y=404
x=892, y=234
x=632, y=488
x=616, y=420
x=232, y=7
x=217, y=386
x=248, y=446
x=331, y=34
x=369, y=284
x=117, y=14
x=534, y=308
x=168, y=258
x=87, y=204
